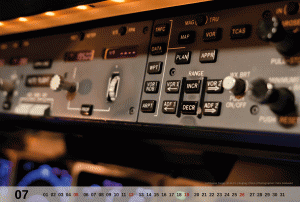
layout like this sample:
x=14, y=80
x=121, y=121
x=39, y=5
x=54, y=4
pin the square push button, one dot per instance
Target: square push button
x=86, y=110
x=154, y=67
x=240, y=31
x=212, y=34
x=172, y=86
x=148, y=106
x=151, y=86
x=183, y=57
x=186, y=37
x=214, y=86
x=208, y=56
x=169, y=107
x=158, y=49
x=161, y=29
x=212, y=108
x=189, y=107
x=192, y=86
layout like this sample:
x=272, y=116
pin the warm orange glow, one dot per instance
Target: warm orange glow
x=50, y=14
x=118, y=1
x=1, y=24
x=23, y=19
x=82, y=7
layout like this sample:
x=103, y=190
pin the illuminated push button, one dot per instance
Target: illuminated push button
x=87, y=110
x=58, y=83
x=235, y=85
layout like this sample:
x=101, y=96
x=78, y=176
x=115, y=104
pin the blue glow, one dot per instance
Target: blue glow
x=44, y=172
x=109, y=183
x=5, y=170
x=28, y=166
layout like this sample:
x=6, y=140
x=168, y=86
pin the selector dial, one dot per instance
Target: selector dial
x=236, y=85
x=58, y=83
x=271, y=30
x=6, y=85
x=281, y=101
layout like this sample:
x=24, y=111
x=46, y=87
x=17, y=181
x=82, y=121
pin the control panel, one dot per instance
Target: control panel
x=230, y=69
x=95, y=74
x=234, y=69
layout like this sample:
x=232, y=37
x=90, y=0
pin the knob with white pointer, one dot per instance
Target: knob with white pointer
x=58, y=83
x=236, y=85
x=280, y=100
x=6, y=85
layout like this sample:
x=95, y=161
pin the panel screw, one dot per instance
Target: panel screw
x=145, y=30
x=172, y=71
x=131, y=110
x=254, y=110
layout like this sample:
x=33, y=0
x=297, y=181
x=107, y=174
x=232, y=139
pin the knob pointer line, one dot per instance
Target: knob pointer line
x=56, y=85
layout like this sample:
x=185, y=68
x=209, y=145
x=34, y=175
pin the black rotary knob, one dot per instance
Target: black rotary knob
x=280, y=100
x=271, y=30
x=236, y=85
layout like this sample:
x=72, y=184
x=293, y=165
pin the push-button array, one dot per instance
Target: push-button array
x=212, y=86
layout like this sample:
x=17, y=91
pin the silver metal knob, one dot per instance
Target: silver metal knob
x=58, y=83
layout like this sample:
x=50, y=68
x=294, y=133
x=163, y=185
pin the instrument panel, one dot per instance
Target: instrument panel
x=226, y=70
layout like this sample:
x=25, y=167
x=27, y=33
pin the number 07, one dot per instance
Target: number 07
x=18, y=194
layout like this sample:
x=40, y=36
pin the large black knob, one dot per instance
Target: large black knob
x=271, y=30
x=281, y=101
